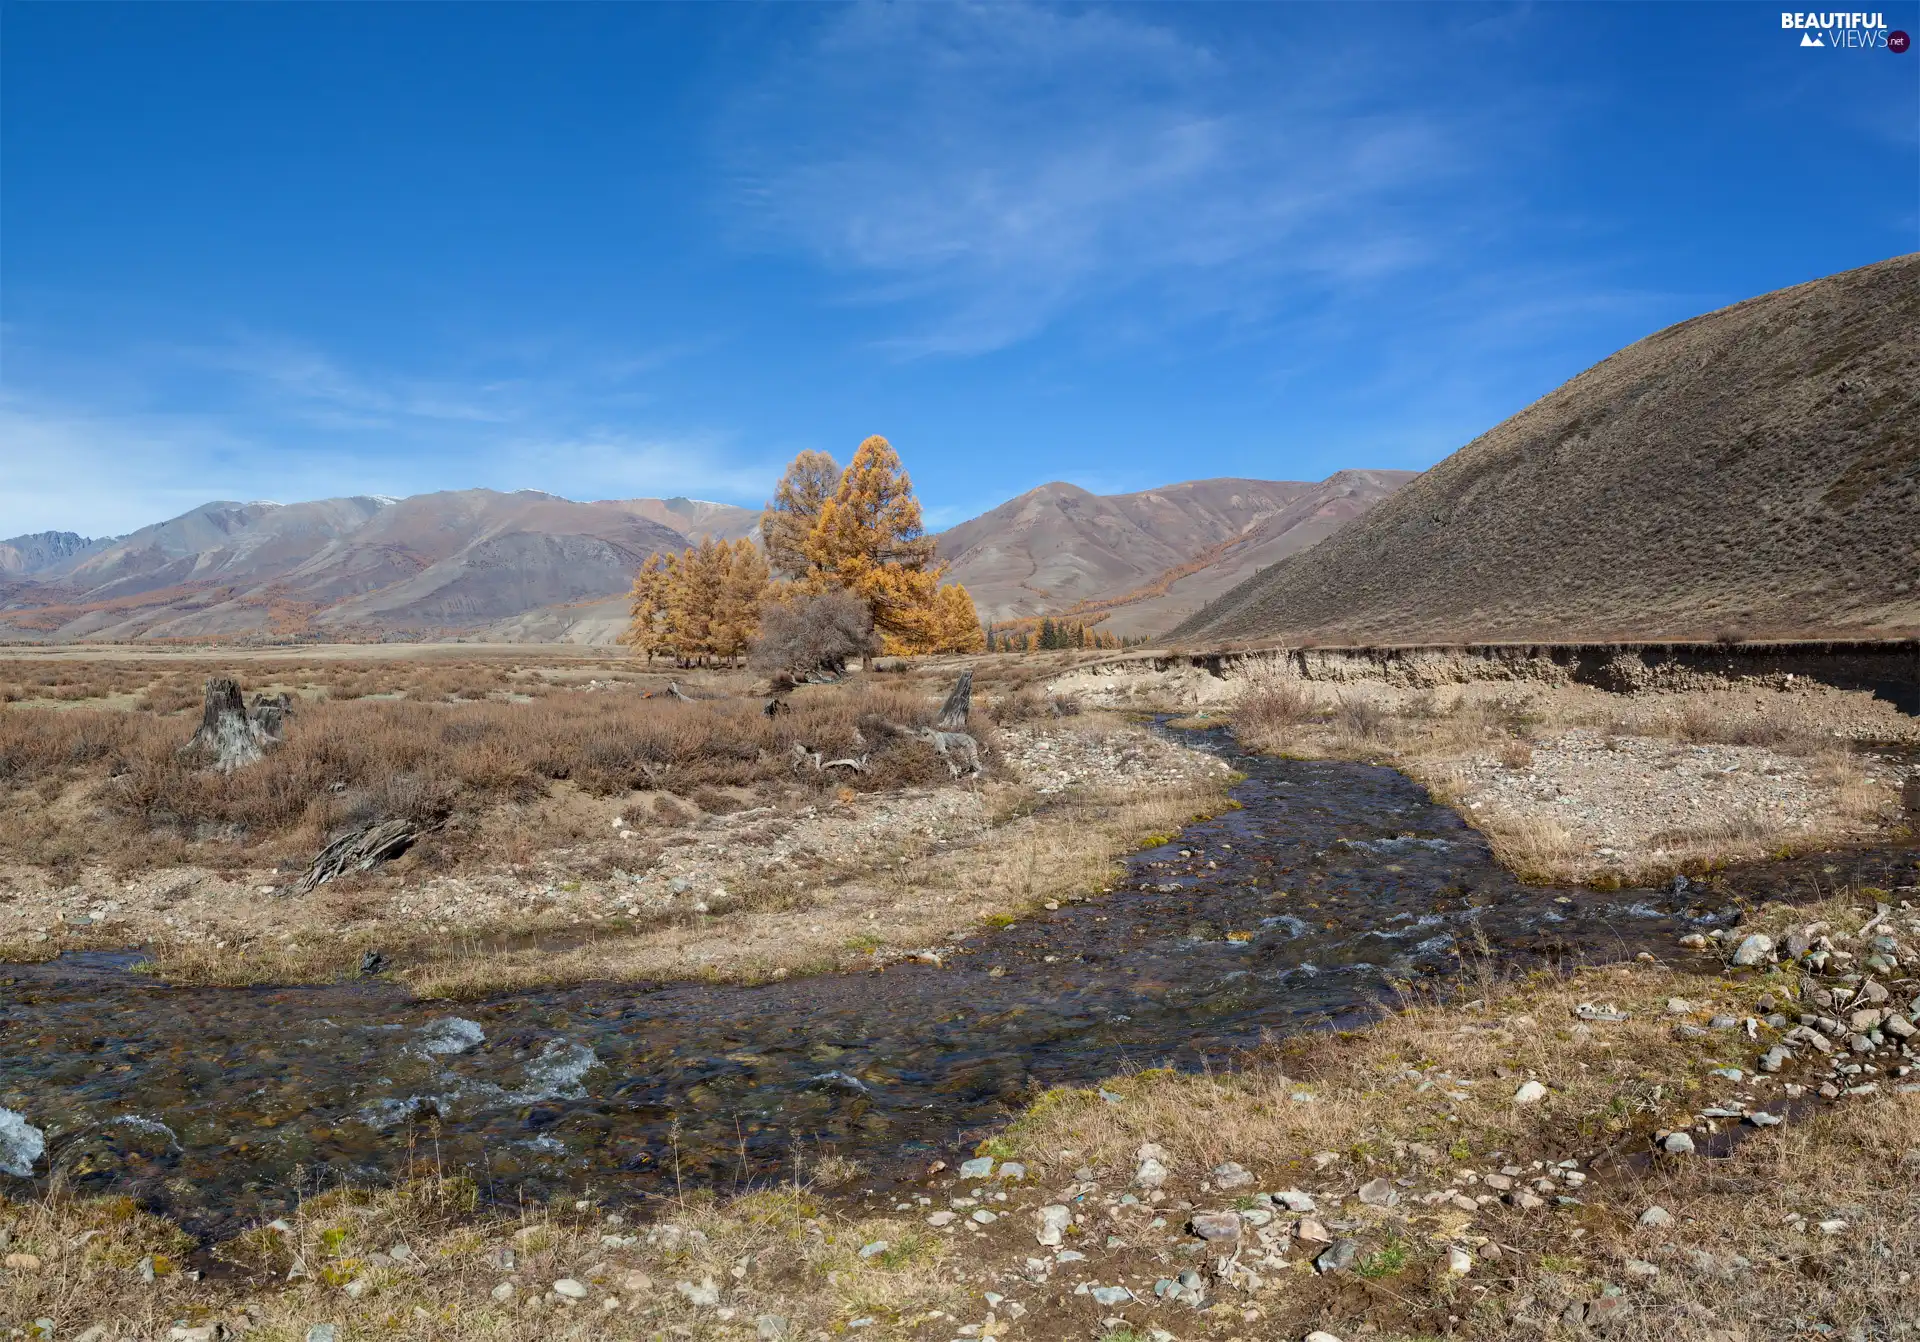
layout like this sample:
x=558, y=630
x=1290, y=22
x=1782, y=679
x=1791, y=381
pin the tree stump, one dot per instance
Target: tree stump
x=953, y=713
x=232, y=736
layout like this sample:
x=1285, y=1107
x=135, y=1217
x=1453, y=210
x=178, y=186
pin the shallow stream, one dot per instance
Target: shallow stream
x=1333, y=881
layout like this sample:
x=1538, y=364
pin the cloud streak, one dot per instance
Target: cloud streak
x=991, y=168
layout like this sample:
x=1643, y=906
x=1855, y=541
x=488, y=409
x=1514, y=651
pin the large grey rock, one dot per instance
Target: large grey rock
x=1338, y=1256
x=1230, y=1176
x=1379, y=1193
x=1754, y=950
x=1218, y=1226
x=1052, y=1224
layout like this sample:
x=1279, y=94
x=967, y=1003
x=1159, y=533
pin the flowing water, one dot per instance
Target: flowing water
x=1333, y=882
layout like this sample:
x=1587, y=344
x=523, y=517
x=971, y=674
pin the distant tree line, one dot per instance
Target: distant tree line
x=1048, y=634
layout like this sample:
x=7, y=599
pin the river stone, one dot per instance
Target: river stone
x=1312, y=1231
x=1338, y=1256
x=1530, y=1092
x=1110, y=1295
x=1755, y=950
x=706, y=1294
x=1216, y=1225
x=1230, y=1176
x=1655, y=1217
x=502, y=1293
x=939, y=1219
x=983, y=1217
x=1677, y=1144
x=323, y=1332
x=875, y=1249
x=1012, y=1171
x=1295, y=1201
x=1151, y=1174
x=1775, y=1058
x=980, y=1167
x=1053, y=1222
x=1898, y=1026
x=1379, y=1193
x=1459, y=1262
x=571, y=1289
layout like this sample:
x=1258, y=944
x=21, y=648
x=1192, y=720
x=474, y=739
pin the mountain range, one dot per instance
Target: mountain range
x=1143, y=561
x=1754, y=471
x=530, y=566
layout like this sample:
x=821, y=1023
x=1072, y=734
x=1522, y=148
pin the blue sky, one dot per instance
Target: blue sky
x=288, y=251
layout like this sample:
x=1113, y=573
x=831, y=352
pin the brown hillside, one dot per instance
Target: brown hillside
x=1755, y=469
x=1144, y=559
x=355, y=567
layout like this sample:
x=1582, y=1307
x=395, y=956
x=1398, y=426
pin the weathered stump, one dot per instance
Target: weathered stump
x=953, y=713
x=231, y=735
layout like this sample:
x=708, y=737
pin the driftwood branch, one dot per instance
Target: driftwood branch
x=959, y=750
x=953, y=713
x=817, y=761
x=359, y=850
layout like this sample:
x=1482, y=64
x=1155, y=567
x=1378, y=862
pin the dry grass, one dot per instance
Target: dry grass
x=900, y=899
x=1423, y=1097
x=524, y=880
x=1427, y=1092
x=84, y=782
x=1431, y=735
x=782, y=1252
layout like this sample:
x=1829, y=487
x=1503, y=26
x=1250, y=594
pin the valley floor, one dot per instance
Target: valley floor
x=1720, y=1145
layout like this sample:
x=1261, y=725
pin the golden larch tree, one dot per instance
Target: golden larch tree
x=954, y=623
x=647, y=630
x=744, y=586
x=811, y=479
x=868, y=538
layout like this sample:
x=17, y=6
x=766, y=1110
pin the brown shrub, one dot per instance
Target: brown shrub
x=355, y=761
x=1271, y=705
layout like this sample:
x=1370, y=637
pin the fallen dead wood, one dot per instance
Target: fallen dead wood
x=359, y=850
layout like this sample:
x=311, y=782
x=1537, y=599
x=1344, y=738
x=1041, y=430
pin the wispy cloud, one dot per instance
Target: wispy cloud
x=995, y=166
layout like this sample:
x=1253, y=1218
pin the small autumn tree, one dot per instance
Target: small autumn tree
x=702, y=603
x=954, y=623
x=647, y=630
x=868, y=539
x=810, y=481
x=744, y=586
